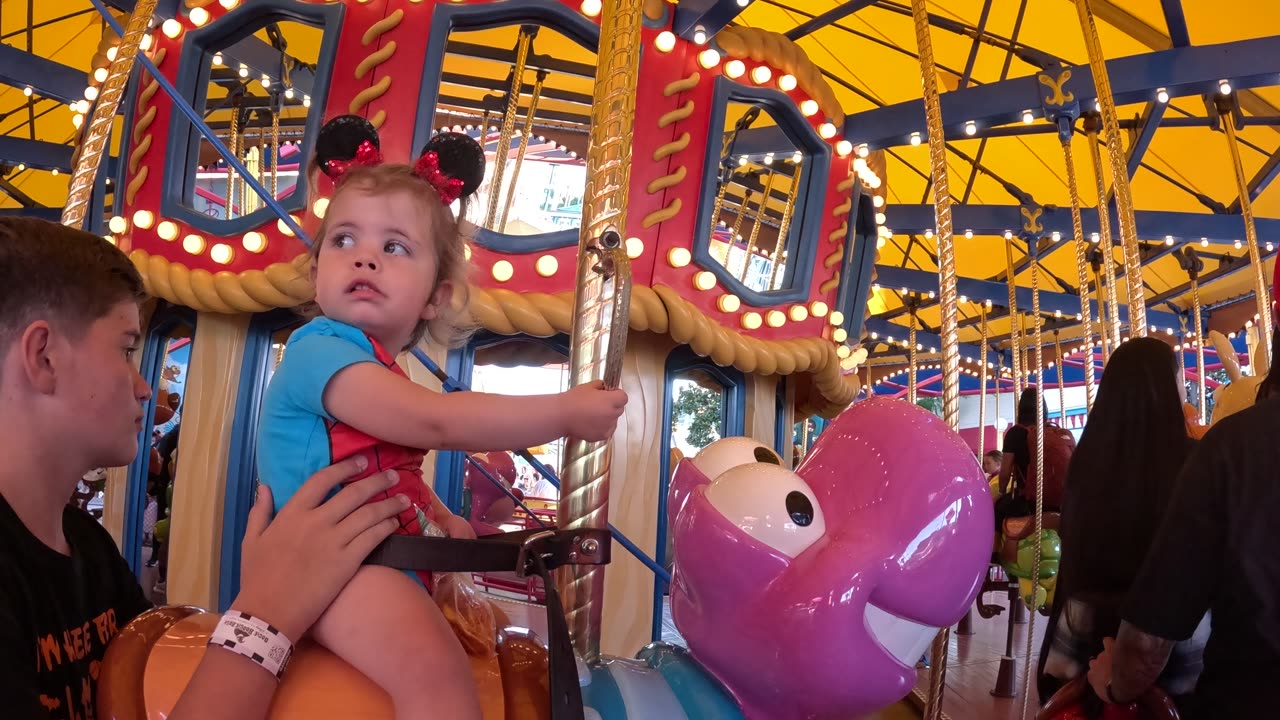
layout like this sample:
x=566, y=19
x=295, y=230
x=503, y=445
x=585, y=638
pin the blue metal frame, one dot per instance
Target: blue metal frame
x=450, y=17
x=1183, y=227
x=781, y=428
x=35, y=154
x=710, y=16
x=1182, y=71
x=884, y=329
x=45, y=77
x=163, y=321
x=192, y=84
x=242, y=471
x=460, y=365
x=802, y=241
x=733, y=423
x=859, y=262
x=830, y=17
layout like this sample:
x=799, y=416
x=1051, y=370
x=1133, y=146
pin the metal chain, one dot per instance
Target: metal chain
x=1082, y=270
x=1104, y=226
x=1035, y=565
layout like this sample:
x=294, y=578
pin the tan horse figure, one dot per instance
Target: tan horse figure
x=1242, y=391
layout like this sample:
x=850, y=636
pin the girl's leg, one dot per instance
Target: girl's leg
x=388, y=627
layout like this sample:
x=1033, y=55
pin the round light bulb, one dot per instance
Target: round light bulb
x=198, y=16
x=808, y=107
x=843, y=148
x=143, y=219
x=751, y=320
x=167, y=230
x=775, y=319
x=222, y=253
x=503, y=271
x=99, y=75
x=547, y=265
x=1027, y=117
x=117, y=225
x=709, y=58
x=971, y=128
x=915, y=138
x=320, y=207
x=217, y=59
x=678, y=257
x=761, y=74
x=827, y=130
x=787, y=83
x=735, y=68
x=591, y=8
x=798, y=313
x=1162, y=95
x=700, y=36
x=635, y=247
x=817, y=308
x=665, y=42
x=171, y=28
x=193, y=244
x=728, y=303
x=704, y=280
x=254, y=241
x=1224, y=87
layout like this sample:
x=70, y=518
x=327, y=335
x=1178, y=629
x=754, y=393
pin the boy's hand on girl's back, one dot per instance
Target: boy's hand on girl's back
x=592, y=411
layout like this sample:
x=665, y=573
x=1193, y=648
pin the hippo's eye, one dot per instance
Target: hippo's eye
x=771, y=504
x=727, y=453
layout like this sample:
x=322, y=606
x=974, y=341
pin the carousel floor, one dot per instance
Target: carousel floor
x=972, y=664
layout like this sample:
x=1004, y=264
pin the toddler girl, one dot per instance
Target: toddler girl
x=389, y=270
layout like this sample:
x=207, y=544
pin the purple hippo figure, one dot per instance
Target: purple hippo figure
x=812, y=594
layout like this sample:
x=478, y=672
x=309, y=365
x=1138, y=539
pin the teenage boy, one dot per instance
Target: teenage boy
x=71, y=400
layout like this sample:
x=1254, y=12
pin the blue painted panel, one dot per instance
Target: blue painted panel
x=858, y=264
x=193, y=82
x=806, y=221
x=733, y=422
x=47, y=78
x=450, y=17
x=1184, y=227
x=1183, y=71
x=242, y=470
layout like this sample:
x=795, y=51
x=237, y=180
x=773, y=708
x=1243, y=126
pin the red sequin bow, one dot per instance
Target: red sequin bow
x=366, y=154
x=428, y=168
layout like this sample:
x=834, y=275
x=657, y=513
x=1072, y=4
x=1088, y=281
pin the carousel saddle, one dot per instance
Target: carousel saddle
x=518, y=677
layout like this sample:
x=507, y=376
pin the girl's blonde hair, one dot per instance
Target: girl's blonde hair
x=452, y=325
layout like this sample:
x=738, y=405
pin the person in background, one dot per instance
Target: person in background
x=992, y=462
x=1212, y=554
x=1118, y=488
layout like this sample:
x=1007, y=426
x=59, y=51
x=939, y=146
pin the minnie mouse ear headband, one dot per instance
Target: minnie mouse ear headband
x=451, y=163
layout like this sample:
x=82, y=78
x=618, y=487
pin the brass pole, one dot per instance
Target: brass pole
x=947, y=291
x=755, y=226
x=911, y=361
x=982, y=398
x=1119, y=173
x=1260, y=289
x=784, y=227
x=98, y=133
x=1199, y=329
x=508, y=127
x=1062, y=390
x=585, y=495
x=1102, y=312
x=524, y=148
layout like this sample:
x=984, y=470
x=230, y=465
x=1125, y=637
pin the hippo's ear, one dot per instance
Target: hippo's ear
x=684, y=480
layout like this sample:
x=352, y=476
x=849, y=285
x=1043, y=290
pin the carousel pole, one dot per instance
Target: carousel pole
x=1260, y=290
x=98, y=132
x=1036, y=318
x=947, y=295
x=982, y=397
x=1119, y=173
x=1082, y=260
x=595, y=353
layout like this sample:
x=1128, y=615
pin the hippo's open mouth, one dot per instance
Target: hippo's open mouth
x=904, y=639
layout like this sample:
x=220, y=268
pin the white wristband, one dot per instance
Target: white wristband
x=253, y=638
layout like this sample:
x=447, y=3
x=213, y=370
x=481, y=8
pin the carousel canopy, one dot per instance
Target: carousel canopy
x=1174, y=66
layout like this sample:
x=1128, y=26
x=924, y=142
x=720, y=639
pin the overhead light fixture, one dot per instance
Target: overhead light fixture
x=1027, y=117
x=1162, y=95
x=971, y=128
x=1224, y=87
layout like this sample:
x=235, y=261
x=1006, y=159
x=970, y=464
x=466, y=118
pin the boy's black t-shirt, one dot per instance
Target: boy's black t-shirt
x=1016, y=441
x=1215, y=550
x=57, y=614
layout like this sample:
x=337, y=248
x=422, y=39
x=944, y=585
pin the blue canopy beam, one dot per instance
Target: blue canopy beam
x=1151, y=118
x=44, y=213
x=998, y=293
x=1176, y=22
x=835, y=14
x=1182, y=71
x=884, y=330
x=46, y=78
x=1183, y=227
x=711, y=16
x=35, y=154
x=1259, y=182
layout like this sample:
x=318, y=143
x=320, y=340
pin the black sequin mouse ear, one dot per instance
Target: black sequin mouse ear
x=460, y=157
x=340, y=139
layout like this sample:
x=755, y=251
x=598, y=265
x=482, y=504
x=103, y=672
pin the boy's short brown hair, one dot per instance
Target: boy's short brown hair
x=51, y=270
x=451, y=326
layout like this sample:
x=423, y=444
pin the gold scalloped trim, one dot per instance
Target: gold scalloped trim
x=659, y=309
x=780, y=52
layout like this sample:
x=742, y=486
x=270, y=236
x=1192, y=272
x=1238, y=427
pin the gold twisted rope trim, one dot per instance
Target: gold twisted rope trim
x=375, y=59
x=382, y=27
x=683, y=85
x=369, y=94
x=777, y=50
x=658, y=310
x=837, y=236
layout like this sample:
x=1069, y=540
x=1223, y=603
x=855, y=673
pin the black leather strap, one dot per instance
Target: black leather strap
x=528, y=552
